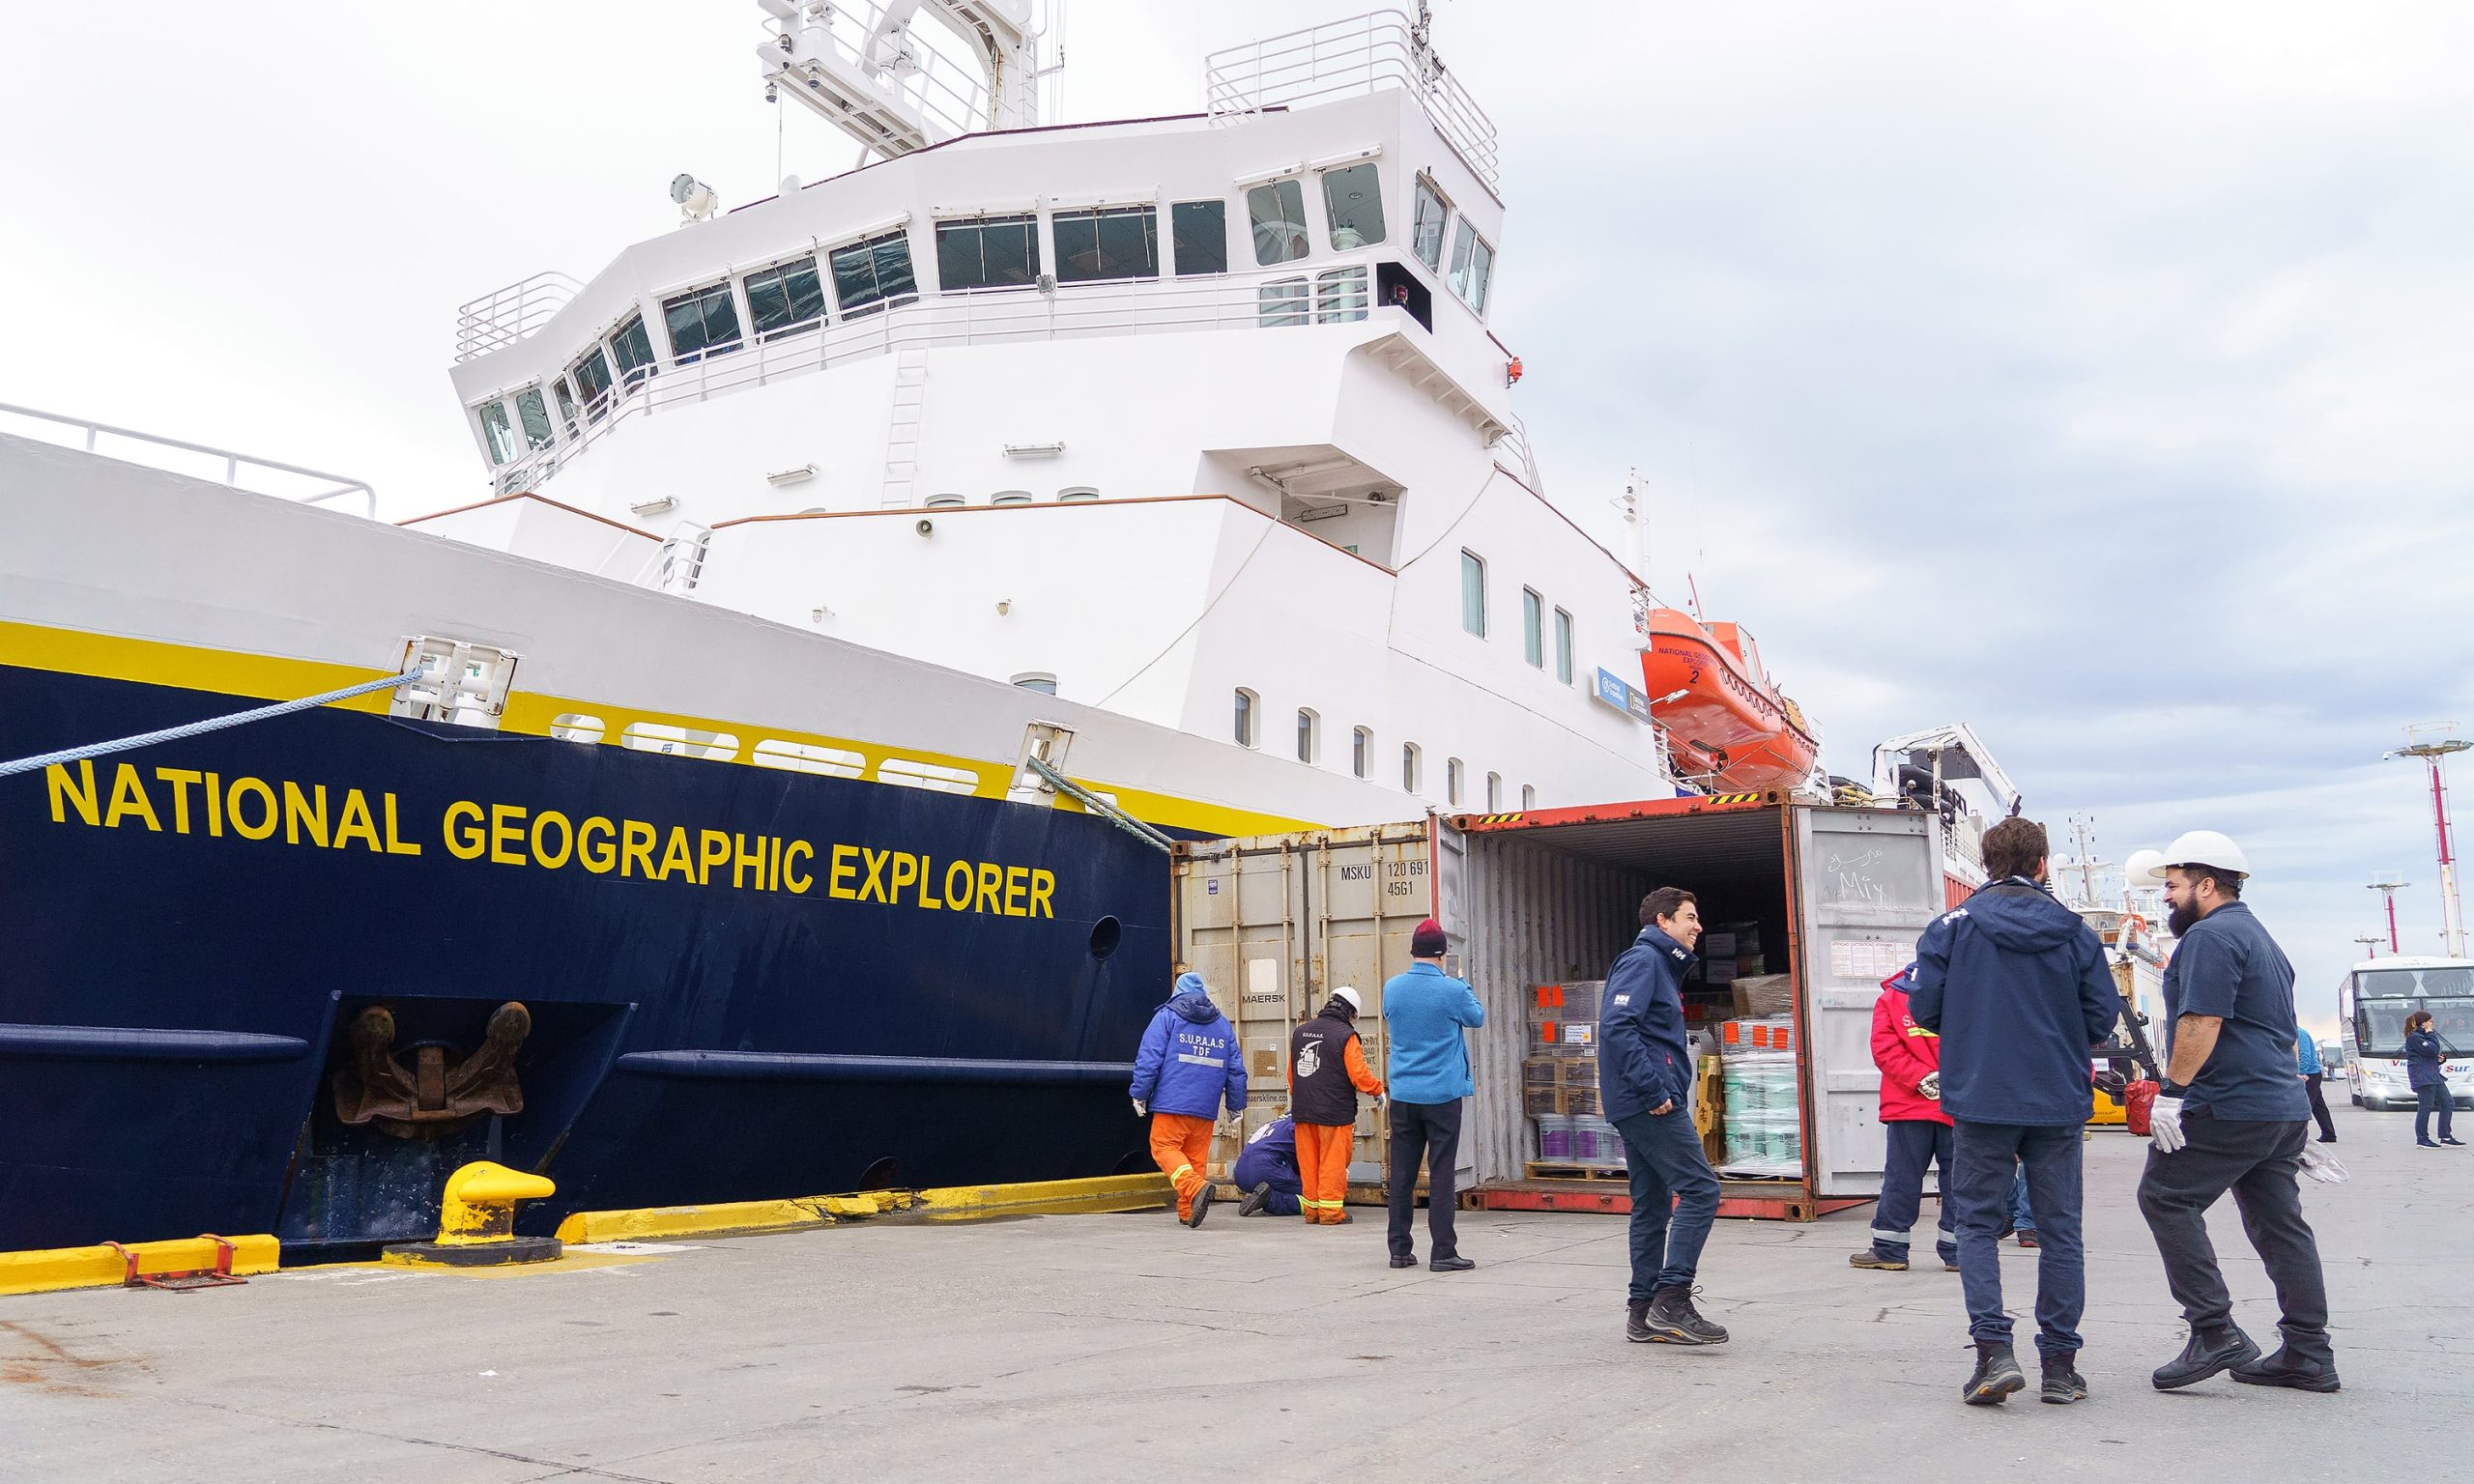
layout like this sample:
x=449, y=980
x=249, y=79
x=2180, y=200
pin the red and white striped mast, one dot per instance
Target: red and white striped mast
x=2434, y=754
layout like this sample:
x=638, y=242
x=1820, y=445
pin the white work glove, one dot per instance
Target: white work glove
x=1141, y=1109
x=2323, y=1166
x=1931, y=1086
x=2164, y=1125
x=1379, y=1099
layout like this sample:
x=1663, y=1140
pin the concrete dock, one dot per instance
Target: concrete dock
x=1119, y=1347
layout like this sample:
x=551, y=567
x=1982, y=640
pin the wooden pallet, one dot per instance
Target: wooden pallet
x=1539, y=1169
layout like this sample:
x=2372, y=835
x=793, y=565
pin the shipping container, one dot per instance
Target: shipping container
x=1838, y=895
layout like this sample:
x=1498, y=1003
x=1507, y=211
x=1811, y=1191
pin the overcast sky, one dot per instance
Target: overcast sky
x=2100, y=375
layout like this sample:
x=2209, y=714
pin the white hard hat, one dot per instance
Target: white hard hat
x=1350, y=995
x=2206, y=847
x=2145, y=868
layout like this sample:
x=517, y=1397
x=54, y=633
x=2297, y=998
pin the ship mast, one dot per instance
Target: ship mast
x=869, y=73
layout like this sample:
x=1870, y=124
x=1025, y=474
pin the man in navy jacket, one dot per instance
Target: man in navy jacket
x=1645, y=1083
x=2016, y=985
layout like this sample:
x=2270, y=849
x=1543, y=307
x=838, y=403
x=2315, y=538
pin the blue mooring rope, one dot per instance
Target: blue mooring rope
x=198, y=728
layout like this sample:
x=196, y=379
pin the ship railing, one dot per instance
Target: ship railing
x=1347, y=58
x=240, y=471
x=1515, y=442
x=1325, y=295
x=952, y=97
x=503, y=317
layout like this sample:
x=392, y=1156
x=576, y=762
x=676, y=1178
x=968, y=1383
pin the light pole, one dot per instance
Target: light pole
x=2370, y=942
x=2389, y=887
x=2435, y=754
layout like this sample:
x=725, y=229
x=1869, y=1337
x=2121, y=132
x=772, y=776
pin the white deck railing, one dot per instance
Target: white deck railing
x=317, y=487
x=1347, y=58
x=504, y=316
x=1150, y=306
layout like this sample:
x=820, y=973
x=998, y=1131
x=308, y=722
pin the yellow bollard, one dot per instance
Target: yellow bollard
x=477, y=1222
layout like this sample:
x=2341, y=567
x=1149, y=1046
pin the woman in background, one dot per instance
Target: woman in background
x=2429, y=1084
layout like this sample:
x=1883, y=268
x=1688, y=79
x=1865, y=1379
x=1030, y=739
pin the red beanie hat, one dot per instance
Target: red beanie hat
x=1428, y=942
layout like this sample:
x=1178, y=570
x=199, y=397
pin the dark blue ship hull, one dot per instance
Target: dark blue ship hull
x=738, y=989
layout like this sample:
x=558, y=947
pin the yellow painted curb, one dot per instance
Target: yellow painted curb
x=953, y=1203
x=100, y=1267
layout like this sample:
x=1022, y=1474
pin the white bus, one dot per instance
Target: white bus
x=2375, y=998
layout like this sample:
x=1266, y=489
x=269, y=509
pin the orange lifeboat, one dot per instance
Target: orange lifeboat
x=1730, y=724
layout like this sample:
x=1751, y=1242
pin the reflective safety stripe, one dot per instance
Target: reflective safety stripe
x=1879, y=1235
x=1181, y=1172
x=1202, y=1061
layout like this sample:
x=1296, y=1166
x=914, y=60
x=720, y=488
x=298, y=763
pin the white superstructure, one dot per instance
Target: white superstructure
x=1198, y=422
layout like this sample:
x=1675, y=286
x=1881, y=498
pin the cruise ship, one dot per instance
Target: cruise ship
x=863, y=586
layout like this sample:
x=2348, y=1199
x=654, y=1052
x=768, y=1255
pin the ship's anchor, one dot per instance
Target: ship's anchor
x=432, y=1098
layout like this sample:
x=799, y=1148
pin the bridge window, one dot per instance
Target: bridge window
x=1409, y=769
x=1473, y=267
x=1122, y=243
x=1246, y=699
x=566, y=404
x=1340, y=296
x=1562, y=646
x=786, y=299
x=535, y=416
x=1278, y=215
x=702, y=323
x=635, y=352
x=496, y=432
x=1473, y=593
x=591, y=378
x=1532, y=628
x=1198, y=230
x=1353, y=200
x=875, y=272
x=987, y=252
x=1309, y=736
x=1426, y=227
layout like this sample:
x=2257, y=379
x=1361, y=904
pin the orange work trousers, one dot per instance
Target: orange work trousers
x=1181, y=1144
x=1323, y=1169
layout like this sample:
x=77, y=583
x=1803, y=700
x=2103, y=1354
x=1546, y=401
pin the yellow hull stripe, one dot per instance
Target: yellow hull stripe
x=277, y=678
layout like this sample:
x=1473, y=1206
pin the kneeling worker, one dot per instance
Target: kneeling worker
x=1188, y=1065
x=1326, y=1071
x=1267, y=1171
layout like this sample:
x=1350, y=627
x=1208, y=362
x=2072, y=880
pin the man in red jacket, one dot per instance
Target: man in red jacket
x=1910, y=1058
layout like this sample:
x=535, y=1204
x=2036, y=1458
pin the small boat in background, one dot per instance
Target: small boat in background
x=1730, y=724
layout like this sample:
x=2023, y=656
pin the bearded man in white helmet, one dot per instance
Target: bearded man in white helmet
x=2230, y=1116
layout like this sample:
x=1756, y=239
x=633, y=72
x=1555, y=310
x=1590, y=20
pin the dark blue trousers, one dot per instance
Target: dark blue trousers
x=1675, y=1198
x=1914, y=1144
x=2429, y=1098
x=1988, y=1155
x=1257, y=1166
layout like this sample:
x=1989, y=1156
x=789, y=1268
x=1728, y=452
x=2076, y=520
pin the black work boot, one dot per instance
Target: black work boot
x=2208, y=1352
x=1996, y=1375
x=2064, y=1384
x=1255, y=1200
x=1637, y=1321
x=1202, y=1207
x=1672, y=1320
x=2284, y=1368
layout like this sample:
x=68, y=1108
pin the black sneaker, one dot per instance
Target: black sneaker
x=1871, y=1257
x=1450, y=1264
x=1203, y=1203
x=2027, y=1239
x=2450, y=1138
x=2064, y=1384
x=2286, y=1369
x=1255, y=1200
x=1997, y=1376
x=1672, y=1320
x=2207, y=1353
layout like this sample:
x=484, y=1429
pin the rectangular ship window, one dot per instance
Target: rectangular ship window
x=534, y=416
x=1425, y=228
x=786, y=299
x=1120, y=242
x=634, y=349
x=871, y=274
x=591, y=376
x=1473, y=267
x=1353, y=201
x=496, y=432
x=987, y=252
x=702, y=323
x=1199, y=232
x=1278, y=211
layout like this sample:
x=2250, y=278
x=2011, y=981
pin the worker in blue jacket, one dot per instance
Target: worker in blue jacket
x=1187, y=1066
x=1427, y=1015
x=2307, y=1056
x=1645, y=1084
x=2016, y=985
x=1267, y=1171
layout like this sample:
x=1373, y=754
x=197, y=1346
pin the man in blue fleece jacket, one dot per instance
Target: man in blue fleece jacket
x=2016, y=985
x=1645, y=1084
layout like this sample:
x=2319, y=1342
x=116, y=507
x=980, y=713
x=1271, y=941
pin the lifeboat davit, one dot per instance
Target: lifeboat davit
x=1730, y=727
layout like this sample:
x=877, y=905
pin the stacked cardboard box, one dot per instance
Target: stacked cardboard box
x=1731, y=951
x=1558, y=1077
